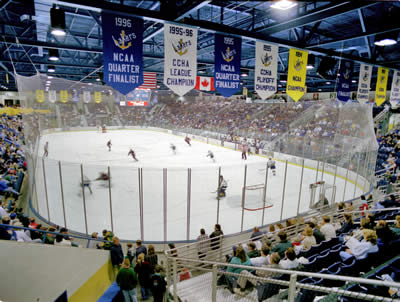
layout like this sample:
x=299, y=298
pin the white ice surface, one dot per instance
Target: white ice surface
x=153, y=151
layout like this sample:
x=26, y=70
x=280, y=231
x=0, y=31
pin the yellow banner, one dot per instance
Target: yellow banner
x=63, y=96
x=245, y=91
x=16, y=111
x=97, y=97
x=39, y=95
x=381, y=84
x=296, y=80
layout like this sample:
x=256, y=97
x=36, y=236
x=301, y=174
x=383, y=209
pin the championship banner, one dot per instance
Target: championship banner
x=122, y=51
x=364, y=82
x=344, y=84
x=381, y=83
x=97, y=97
x=75, y=96
x=265, y=73
x=180, y=58
x=395, y=93
x=86, y=96
x=296, y=80
x=39, y=95
x=63, y=96
x=227, y=64
x=52, y=96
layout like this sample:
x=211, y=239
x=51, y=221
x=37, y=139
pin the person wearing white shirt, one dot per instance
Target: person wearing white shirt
x=360, y=249
x=291, y=262
x=327, y=228
x=3, y=212
x=263, y=259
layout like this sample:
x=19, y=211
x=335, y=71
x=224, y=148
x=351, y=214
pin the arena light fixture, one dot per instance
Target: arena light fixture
x=386, y=39
x=57, y=21
x=53, y=54
x=283, y=4
x=98, y=80
x=328, y=83
x=354, y=81
x=51, y=68
x=49, y=77
x=90, y=84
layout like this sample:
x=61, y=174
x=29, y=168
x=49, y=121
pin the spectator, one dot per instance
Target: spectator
x=117, y=256
x=32, y=223
x=283, y=245
x=319, y=237
x=140, y=248
x=240, y=258
x=308, y=239
x=327, y=228
x=131, y=252
x=271, y=232
x=158, y=284
x=256, y=235
x=361, y=249
x=216, y=236
x=396, y=228
x=202, y=244
x=93, y=244
x=384, y=233
x=347, y=225
x=3, y=212
x=49, y=237
x=263, y=259
x=127, y=281
x=291, y=262
x=151, y=256
x=253, y=251
x=144, y=270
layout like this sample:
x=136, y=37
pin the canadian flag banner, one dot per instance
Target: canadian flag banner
x=205, y=83
x=133, y=103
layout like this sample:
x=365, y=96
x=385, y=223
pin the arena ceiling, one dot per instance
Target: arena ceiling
x=339, y=29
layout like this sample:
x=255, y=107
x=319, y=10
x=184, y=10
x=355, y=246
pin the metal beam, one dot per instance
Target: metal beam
x=6, y=69
x=366, y=40
x=319, y=14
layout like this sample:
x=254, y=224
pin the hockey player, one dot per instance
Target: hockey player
x=103, y=129
x=244, y=151
x=46, y=149
x=131, y=152
x=103, y=176
x=187, y=140
x=173, y=148
x=222, y=186
x=109, y=145
x=272, y=165
x=86, y=184
x=210, y=155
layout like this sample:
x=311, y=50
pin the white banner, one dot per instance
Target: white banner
x=364, y=83
x=52, y=96
x=265, y=73
x=86, y=96
x=395, y=93
x=180, y=58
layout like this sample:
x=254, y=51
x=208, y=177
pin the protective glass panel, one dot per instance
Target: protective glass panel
x=177, y=186
x=73, y=196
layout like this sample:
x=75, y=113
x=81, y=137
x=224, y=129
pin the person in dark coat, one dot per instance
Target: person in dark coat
x=117, y=256
x=215, y=242
x=144, y=270
x=319, y=237
x=158, y=285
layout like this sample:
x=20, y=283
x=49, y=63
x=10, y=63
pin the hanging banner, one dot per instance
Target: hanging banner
x=86, y=96
x=52, y=96
x=97, y=97
x=364, y=82
x=122, y=51
x=381, y=83
x=75, y=96
x=227, y=64
x=265, y=73
x=395, y=93
x=39, y=95
x=63, y=96
x=205, y=83
x=344, y=84
x=296, y=80
x=180, y=58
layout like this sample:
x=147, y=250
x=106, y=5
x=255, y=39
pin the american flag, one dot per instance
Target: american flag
x=149, y=80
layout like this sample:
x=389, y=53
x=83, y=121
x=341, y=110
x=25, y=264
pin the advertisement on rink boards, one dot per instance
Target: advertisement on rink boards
x=344, y=84
x=227, y=64
x=180, y=58
x=364, y=82
x=296, y=80
x=122, y=51
x=395, y=93
x=265, y=73
x=381, y=83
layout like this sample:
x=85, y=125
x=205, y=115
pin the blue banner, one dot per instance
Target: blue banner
x=344, y=83
x=227, y=64
x=122, y=52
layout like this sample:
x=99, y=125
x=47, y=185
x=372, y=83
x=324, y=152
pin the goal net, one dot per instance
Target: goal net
x=322, y=195
x=254, y=198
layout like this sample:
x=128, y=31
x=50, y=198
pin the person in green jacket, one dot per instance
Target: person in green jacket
x=283, y=245
x=127, y=281
x=240, y=258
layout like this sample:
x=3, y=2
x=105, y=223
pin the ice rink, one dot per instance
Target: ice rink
x=167, y=185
